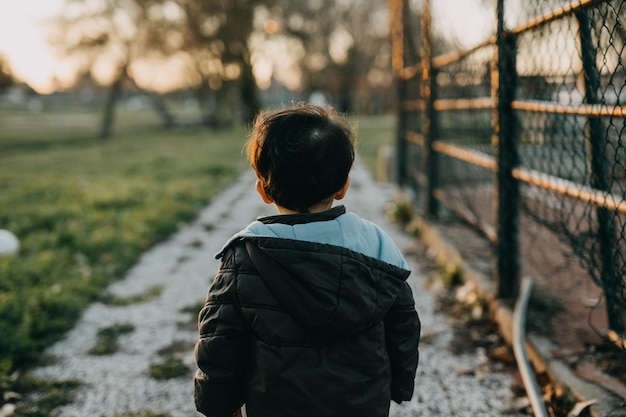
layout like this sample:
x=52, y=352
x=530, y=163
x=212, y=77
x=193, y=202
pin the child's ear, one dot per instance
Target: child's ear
x=261, y=191
x=342, y=193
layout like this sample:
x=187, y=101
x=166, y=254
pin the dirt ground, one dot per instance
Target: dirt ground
x=566, y=307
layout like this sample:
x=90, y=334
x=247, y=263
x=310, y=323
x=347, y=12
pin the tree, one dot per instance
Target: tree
x=6, y=75
x=109, y=37
x=216, y=36
x=344, y=43
x=339, y=46
x=208, y=38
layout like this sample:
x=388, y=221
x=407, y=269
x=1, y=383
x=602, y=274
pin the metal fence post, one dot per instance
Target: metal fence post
x=594, y=133
x=398, y=16
x=504, y=84
x=430, y=128
x=401, y=145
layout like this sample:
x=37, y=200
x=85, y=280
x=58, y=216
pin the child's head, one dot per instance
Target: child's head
x=302, y=155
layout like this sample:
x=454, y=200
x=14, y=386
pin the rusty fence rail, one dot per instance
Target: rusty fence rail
x=522, y=135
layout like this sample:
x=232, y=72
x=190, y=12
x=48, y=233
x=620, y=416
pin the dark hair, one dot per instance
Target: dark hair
x=301, y=155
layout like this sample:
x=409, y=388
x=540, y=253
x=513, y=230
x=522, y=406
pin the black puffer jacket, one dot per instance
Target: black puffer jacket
x=293, y=328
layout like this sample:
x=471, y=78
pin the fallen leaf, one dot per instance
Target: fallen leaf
x=580, y=407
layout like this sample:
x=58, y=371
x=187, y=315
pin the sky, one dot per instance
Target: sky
x=32, y=59
x=23, y=42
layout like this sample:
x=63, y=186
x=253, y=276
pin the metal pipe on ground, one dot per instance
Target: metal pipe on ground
x=519, y=325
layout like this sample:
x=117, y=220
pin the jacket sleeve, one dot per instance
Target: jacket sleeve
x=222, y=350
x=402, y=333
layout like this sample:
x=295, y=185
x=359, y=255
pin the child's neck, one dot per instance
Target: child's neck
x=316, y=208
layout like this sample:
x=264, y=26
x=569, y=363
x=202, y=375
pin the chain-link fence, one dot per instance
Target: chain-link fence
x=521, y=134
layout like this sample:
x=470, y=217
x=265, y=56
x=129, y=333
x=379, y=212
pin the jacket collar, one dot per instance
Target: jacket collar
x=302, y=218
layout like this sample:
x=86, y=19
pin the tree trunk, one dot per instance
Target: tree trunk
x=106, y=126
x=167, y=119
x=248, y=90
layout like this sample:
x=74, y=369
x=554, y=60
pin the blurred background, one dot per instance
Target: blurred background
x=191, y=62
x=211, y=63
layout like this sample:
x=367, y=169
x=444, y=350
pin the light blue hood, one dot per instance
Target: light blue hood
x=346, y=230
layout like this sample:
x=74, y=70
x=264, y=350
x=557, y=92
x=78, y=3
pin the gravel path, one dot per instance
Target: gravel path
x=182, y=266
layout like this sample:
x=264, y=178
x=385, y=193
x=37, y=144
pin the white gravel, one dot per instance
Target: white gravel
x=183, y=265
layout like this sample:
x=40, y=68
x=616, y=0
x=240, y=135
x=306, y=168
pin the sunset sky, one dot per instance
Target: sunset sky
x=23, y=41
x=32, y=59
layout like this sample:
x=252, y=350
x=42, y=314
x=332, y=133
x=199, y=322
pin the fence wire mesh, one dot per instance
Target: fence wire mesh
x=552, y=126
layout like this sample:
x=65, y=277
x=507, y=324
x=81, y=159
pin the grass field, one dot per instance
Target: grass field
x=85, y=211
x=373, y=132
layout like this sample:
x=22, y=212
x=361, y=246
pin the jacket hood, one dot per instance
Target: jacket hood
x=333, y=227
x=332, y=291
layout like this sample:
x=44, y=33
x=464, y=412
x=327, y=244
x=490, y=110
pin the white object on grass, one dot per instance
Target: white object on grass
x=9, y=244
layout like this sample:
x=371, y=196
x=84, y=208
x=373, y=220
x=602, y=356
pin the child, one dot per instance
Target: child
x=309, y=313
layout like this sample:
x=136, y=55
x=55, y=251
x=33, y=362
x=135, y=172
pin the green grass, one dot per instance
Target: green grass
x=85, y=211
x=45, y=394
x=373, y=132
x=106, y=343
x=169, y=368
x=146, y=296
x=54, y=128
